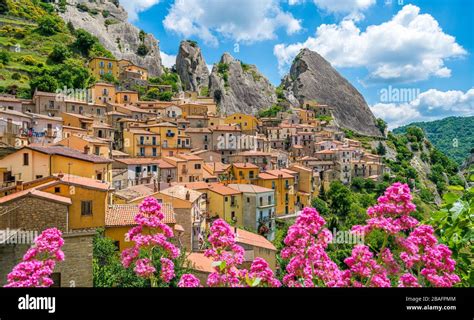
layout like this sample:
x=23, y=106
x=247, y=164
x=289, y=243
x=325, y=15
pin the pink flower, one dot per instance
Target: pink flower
x=151, y=232
x=408, y=280
x=167, y=270
x=38, y=262
x=189, y=281
x=260, y=269
x=144, y=268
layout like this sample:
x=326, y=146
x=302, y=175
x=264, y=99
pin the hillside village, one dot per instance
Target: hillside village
x=82, y=162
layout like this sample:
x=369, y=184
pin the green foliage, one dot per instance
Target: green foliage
x=107, y=268
x=44, y=82
x=455, y=228
x=381, y=124
x=59, y=54
x=4, y=57
x=339, y=198
x=168, y=78
x=109, y=78
x=3, y=6
x=454, y=136
x=321, y=206
x=204, y=92
x=84, y=42
x=142, y=35
x=381, y=150
x=223, y=71
x=156, y=94
x=49, y=25
x=142, y=50
x=270, y=112
x=105, y=13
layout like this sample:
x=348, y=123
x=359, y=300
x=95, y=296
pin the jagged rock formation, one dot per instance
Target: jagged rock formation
x=191, y=66
x=311, y=77
x=239, y=87
x=108, y=23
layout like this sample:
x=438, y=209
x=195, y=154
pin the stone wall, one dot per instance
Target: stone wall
x=183, y=218
x=33, y=214
x=75, y=270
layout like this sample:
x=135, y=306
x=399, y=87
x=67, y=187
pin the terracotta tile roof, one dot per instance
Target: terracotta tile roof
x=197, y=130
x=241, y=165
x=253, y=153
x=79, y=116
x=133, y=161
x=224, y=128
x=68, y=152
x=83, y=182
x=180, y=192
x=249, y=188
x=199, y=262
x=162, y=164
x=216, y=167
x=253, y=239
x=277, y=173
x=189, y=156
x=223, y=190
x=36, y=193
x=124, y=214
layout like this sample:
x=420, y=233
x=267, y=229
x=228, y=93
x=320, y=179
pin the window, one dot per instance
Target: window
x=248, y=199
x=153, y=151
x=261, y=201
x=99, y=176
x=226, y=199
x=232, y=215
x=97, y=150
x=197, y=166
x=37, y=177
x=101, y=64
x=86, y=208
x=26, y=159
x=98, y=112
x=269, y=199
x=57, y=189
x=110, y=65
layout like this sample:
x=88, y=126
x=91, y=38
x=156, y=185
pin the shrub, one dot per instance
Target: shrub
x=49, y=25
x=142, y=50
x=59, y=54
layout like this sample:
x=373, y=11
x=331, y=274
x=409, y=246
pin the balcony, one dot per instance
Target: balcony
x=147, y=143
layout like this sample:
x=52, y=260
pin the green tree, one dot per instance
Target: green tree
x=381, y=150
x=3, y=6
x=84, y=42
x=59, y=54
x=321, y=206
x=142, y=50
x=339, y=199
x=44, y=83
x=4, y=57
x=49, y=25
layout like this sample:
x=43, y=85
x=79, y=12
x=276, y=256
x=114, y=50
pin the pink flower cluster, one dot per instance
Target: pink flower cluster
x=306, y=243
x=421, y=250
x=365, y=270
x=417, y=251
x=189, y=281
x=227, y=256
x=392, y=212
x=38, y=262
x=150, y=233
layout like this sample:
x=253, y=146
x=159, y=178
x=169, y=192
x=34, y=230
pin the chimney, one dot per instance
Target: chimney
x=19, y=185
x=188, y=195
x=60, y=175
x=86, y=149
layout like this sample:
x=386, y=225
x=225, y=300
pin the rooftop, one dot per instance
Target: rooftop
x=124, y=214
x=67, y=152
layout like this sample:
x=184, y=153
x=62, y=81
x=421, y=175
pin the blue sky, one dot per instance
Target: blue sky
x=423, y=48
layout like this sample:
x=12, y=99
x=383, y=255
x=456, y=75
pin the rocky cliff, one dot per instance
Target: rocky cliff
x=311, y=77
x=108, y=22
x=239, y=87
x=191, y=66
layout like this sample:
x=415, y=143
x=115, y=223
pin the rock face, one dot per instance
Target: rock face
x=311, y=77
x=108, y=23
x=191, y=67
x=239, y=87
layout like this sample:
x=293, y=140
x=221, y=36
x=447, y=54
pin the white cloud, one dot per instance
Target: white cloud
x=168, y=60
x=409, y=47
x=430, y=105
x=344, y=6
x=134, y=7
x=246, y=20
